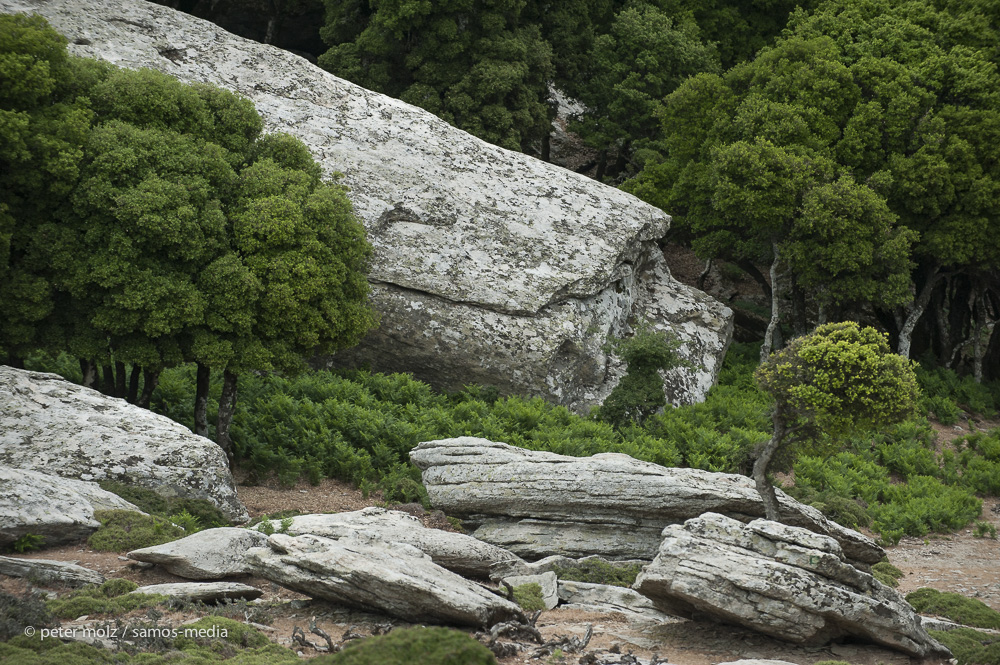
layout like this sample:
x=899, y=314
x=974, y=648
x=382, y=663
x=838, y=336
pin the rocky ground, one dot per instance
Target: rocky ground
x=956, y=562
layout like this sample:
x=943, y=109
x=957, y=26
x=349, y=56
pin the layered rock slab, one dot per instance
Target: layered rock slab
x=392, y=578
x=60, y=510
x=457, y=552
x=52, y=426
x=780, y=580
x=211, y=554
x=538, y=503
x=202, y=592
x=49, y=571
x=489, y=266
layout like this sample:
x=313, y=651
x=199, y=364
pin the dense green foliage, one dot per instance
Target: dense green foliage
x=20, y=612
x=600, y=572
x=958, y=608
x=203, y=511
x=886, y=573
x=639, y=394
x=126, y=530
x=529, y=597
x=405, y=646
x=970, y=647
x=112, y=597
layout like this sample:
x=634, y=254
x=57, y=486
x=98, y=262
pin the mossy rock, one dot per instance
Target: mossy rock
x=958, y=608
x=147, y=500
x=126, y=530
x=413, y=646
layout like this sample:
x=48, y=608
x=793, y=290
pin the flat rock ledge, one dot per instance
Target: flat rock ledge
x=49, y=571
x=538, y=504
x=203, y=592
x=457, y=552
x=211, y=554
x=591, y=597
x=489, y=266
x=60, y=510
x=396, y=579
x=53, y=426
x=780, y=580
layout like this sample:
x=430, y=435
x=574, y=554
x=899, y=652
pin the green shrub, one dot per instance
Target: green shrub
x=970, y=647
x=112, y=597
x=125, y=530
x=938, y=382
x=27, y=543
x=204, y=511
x=17, y=613
x=412, y=646
x=529, y=597
x=600, y=572
x=887, y=574
x=958, y=608
x=985, y=528
x=944, y=409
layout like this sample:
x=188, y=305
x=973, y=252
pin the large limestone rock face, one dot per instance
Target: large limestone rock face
x=490, y=266
x=780, y=580
x=60, y=510
x=393, y=578
x=50, y=425
x=538, y=503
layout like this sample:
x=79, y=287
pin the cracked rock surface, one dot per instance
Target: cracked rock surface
x=783, y=581
x=490, y=266
x=537, y=503
x=206, y=555
x=52, y=426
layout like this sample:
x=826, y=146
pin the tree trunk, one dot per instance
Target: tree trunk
x=772, y=326
x=547, y=147
x=133, y=384
x=757, y=275
x=108, y=382
x=764, y=456
x=913, y=313
x=149, y=380
x=704, y=275
x=89, y=371
x=984, y=329
x=201, y=400
x=120, y=386
x=602, y=165
x=227, y=406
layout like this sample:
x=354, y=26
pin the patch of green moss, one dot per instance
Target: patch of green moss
x=600, y=572
x=970, y=647
x=887, y=574
x=958, y=608
x=125, y=530
x=112, y=597
x=410, y=646
x=147, y=500
x=529, y=597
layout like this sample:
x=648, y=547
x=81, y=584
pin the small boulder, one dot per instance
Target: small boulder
x=780, y=580
x=393, y=578
x=49, y=571
x=59, y=510
x=457, y=552
x=606, y=598
x=206, y=555
x=203, y=592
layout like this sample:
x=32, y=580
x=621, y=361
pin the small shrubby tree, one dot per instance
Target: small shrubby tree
x=640, y=392
x=837, y=380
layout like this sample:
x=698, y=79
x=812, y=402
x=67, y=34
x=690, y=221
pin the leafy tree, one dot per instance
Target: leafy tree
x=639, y=394
x=837, y=380
x=475, y=64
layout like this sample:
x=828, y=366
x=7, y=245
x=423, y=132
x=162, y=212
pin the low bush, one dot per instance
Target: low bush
x=970, y=647
x=887, y=574
x=206, y=514
x=600, y=572
x=529, y=597
x=126, y=530
x=19, y=612
x=958, y=608
x=112, y=597
x=408, y=646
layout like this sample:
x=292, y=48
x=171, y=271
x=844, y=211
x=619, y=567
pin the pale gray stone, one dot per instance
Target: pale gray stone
x=489, y=266
x=606, y=598
x=779, y=580
x=206, y=555
x=49, y=571
x=547, y=581
x=556, y=562
x=60, y=510
x=203, y=592
x=538, y=503
x=50, y=425
x=393, y=578
x=457, y=552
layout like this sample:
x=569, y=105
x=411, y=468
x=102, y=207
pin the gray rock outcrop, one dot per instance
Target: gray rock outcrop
x=457, y=552
x=211, y=554
x=782, y=581
x=60, y=510
x=396, y=579
x=49, y=571
x=606, y=598
x=202, y=592
x=538, y=503
x=548, y=583
x=50, y=425
x=490, y=266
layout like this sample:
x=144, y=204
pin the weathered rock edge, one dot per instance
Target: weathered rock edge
x=780, y=580
x=393, y=578
x=211, y=554
x=538, y=503
x=50, y=425
x=490, y=266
